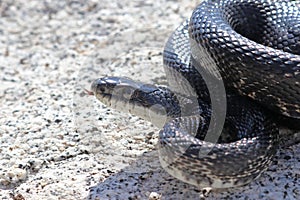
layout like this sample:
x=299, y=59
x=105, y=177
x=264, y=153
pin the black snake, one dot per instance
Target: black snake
x=238, y=59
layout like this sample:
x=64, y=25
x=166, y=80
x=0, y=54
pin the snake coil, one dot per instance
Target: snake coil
x=253, y=48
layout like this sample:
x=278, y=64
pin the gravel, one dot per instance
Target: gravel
x=59, y=143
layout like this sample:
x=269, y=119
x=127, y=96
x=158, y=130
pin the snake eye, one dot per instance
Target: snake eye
x=102, y=89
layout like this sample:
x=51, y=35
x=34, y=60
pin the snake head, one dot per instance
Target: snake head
x=147, y=101
x=114, y=91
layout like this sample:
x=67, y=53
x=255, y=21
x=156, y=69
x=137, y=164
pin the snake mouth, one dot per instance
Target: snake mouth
x=109, y=89
x=102, y=89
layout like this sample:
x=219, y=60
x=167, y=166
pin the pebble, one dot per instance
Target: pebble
x=154, y=196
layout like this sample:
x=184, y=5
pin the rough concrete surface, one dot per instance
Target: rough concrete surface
x=56, y=142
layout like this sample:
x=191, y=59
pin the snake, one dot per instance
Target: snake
x=233, y=72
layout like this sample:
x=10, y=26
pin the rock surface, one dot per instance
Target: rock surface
x=56, y=142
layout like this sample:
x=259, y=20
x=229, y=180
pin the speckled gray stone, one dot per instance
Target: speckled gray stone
x=56, y=142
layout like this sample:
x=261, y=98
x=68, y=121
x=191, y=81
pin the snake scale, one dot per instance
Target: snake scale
x=233, y=69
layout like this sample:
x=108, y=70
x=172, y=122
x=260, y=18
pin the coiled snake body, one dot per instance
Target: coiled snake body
x=229, y=54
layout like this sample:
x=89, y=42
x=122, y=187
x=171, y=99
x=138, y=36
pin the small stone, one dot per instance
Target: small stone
x=154, y=196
